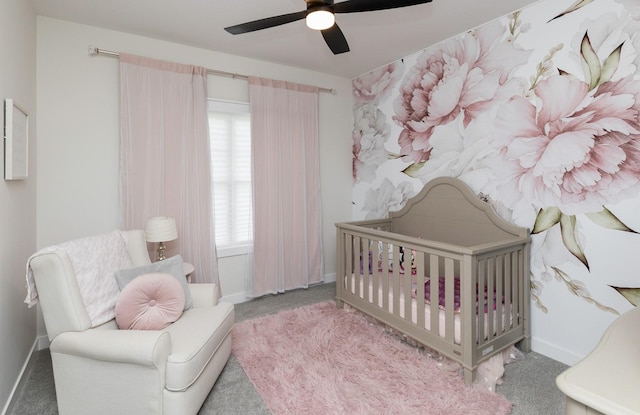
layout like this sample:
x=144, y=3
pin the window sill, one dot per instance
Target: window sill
x=230, y=251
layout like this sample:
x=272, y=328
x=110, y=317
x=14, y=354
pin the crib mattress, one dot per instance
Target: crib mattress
x=427, y=309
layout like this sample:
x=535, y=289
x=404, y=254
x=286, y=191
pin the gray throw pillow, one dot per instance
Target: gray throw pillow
x=171, y=266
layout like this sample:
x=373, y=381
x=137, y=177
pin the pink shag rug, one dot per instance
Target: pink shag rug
x=319, y=359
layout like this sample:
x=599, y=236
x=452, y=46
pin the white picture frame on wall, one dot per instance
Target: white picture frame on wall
x=16, y=141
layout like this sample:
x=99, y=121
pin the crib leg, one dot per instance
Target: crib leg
x=525, y=345
x=468, y=376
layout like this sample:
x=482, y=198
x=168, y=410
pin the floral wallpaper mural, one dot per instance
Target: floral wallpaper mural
x=540, y=111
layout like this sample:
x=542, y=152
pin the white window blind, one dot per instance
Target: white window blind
x=230, y=131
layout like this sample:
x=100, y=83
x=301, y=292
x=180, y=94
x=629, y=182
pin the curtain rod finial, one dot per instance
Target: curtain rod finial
x=93, y=50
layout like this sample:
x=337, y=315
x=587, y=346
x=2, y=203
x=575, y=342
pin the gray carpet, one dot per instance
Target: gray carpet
x=529, y=384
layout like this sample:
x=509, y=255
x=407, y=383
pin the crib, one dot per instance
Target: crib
x=445, y=271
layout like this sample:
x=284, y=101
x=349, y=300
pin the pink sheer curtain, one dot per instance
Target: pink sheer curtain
x=165, y=157
x=286, y=181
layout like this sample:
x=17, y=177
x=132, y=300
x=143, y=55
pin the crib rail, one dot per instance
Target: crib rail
x=477, y=296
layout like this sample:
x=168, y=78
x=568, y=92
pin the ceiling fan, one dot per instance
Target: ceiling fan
x=320, y=15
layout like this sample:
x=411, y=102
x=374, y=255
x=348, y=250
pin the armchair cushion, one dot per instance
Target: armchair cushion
x=195, y=341
x=171, y=266
x=150, y=302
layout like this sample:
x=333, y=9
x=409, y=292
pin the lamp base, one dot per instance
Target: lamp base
x=161, y=247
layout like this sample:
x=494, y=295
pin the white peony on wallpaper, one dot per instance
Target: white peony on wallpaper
x=540, y=111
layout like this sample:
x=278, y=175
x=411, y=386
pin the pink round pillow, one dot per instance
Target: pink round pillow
x=150, y=302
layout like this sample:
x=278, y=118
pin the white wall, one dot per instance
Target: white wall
x=78, y=100
x=17, y=198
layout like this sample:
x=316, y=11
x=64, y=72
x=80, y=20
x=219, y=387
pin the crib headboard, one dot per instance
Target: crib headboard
x=447, y=210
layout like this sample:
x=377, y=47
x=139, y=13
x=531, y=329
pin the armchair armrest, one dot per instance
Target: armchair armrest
x=140, y=347
x=110, y=371
x=204, y=295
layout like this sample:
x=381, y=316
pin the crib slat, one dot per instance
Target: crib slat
x=407, y=283
x=420, y=280
x=396, y=280
x=480, y=303
x=349, y=266
x=499, y=294
x=357, y=259
x=366, y=268
x=376, y=273
x=366, y=274
x=490, y=289
x=385, y=276
x=508, y=291
x=434, y=310
x=449, y=312
x=518, y=269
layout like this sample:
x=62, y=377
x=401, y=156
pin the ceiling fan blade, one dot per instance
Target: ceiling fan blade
x=355, y=6
x=335, y=40
x=266, y=23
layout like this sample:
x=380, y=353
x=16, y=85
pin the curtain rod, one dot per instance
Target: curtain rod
x=96, y=51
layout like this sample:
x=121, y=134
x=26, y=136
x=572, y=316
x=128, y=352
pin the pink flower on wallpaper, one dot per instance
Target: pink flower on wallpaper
x=579, y=150
x=466, y=76
x=376, y=85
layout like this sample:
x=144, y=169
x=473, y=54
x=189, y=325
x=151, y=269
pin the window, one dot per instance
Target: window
x=230, y=131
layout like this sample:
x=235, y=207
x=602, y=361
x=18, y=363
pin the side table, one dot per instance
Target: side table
x=188, y=269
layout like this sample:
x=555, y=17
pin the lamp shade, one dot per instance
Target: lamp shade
x=161, y=229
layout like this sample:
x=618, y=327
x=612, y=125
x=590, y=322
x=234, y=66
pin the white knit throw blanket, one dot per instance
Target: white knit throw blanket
x=95, y=259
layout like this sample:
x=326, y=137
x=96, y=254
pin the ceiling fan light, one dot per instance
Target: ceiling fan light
x=320, y=19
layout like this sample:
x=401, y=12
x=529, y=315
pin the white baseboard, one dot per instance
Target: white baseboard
x=242, y=297
x=554, y=352
x=329, y=278
x=42, y=342
x=235, y=298
x=22, y=378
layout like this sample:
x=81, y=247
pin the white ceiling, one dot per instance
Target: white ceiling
x=375, y=38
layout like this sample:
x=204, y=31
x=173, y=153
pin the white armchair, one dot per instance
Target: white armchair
x=104, y=370
x=607, y=381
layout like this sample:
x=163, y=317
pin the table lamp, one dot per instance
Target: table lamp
x=161, y=229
